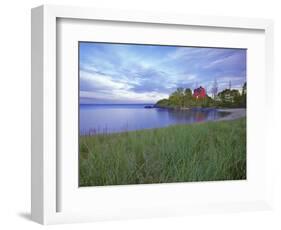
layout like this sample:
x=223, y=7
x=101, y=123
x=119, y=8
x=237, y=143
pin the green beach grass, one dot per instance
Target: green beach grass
x=208, y=151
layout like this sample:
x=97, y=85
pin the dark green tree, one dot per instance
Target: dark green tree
x=177, y=98
x=187, y=97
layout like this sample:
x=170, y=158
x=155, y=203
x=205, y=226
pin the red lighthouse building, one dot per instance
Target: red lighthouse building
x=199, y=93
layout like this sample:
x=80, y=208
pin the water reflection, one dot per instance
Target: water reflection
x=194, y=115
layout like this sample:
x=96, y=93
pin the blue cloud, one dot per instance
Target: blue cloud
x=114, y=73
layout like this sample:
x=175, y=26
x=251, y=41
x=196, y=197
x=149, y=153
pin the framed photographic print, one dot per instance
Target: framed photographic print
x=140, y=114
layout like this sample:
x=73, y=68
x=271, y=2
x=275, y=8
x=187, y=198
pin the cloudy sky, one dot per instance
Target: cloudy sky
x=120, y=73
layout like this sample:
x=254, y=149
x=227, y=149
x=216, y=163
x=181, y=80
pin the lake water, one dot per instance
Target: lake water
x=96, y=119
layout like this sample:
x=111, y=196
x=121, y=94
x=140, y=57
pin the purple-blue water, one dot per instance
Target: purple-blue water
x=96, y=119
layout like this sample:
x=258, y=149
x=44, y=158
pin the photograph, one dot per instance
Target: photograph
x=151, y=113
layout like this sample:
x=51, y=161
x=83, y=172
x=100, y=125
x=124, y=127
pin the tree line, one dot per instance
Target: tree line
x=183, y=98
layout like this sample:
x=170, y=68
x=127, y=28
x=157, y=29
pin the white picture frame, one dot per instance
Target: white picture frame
x=46, y=172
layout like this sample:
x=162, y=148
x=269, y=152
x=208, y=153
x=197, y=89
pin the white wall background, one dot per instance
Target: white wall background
x=15, y=112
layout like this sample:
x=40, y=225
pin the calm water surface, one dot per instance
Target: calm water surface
x=96, y=119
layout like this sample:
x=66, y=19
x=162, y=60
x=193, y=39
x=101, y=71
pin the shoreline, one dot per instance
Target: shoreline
x=193, y=153
x=234, y=114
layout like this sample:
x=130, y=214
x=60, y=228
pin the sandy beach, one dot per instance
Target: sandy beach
x=233, y=114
